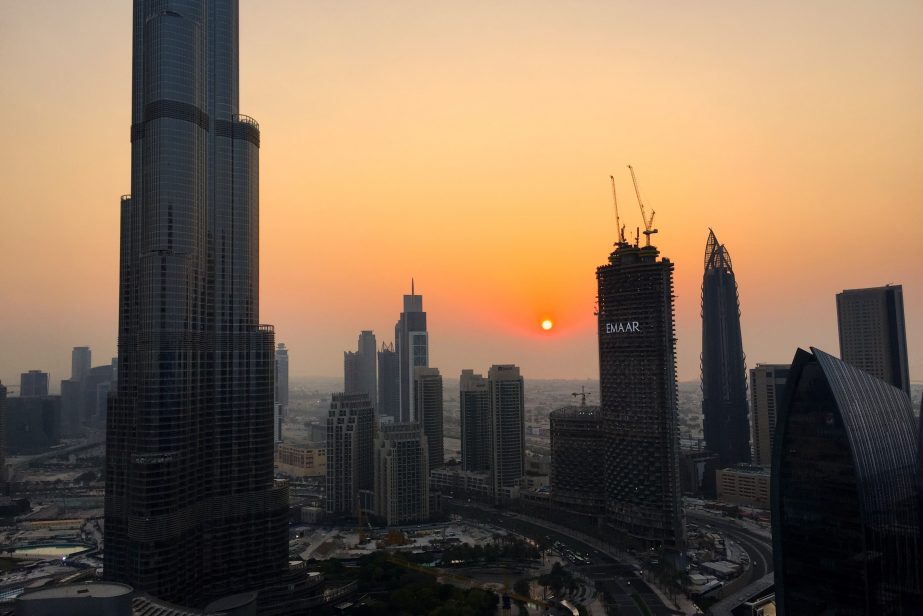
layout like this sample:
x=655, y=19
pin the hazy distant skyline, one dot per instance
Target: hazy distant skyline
x=469, y=146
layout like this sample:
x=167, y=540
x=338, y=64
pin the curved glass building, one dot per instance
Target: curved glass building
x=724, y=371
x=846, y=535
x=192, y=509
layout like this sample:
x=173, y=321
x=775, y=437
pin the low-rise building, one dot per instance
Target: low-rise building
x=744, y=485
x=298, y=461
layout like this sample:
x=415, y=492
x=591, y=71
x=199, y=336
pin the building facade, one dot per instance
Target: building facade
x=401, y=474
x=638, y=397
x=411, y=342
x=80, y=362
x=724, y=372
x=767, y=388
x=474, y=418
x=507, y=426
x=427, y=391
x=360, y=369
x=350, y=435
x=744, y=485
x=33, y=383
x=192, y=509
x=577, y=446
x=845, y=518
x=872, y=333
x=32, y=424
x=389, y=382
x=297, y=461
x=281, y=389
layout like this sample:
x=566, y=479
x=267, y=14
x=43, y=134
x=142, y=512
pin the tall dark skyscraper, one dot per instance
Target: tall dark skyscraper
x=412, y=345
x=427, y=393
x=638, y=398
x=192, y=509
x=872, y=333
x=506, y=390
x=33, y=383
x=578, y=450
x=845, y=519
x=389, y=382
x=3, y=487
x=474, y=417
x=282, y=375
x=724, y=372
x=350, y=440
x=360, y=369
x=80, y=363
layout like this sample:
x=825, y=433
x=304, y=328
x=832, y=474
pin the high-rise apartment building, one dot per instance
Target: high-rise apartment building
x=33, y=383
x=411, y=342
x=4, y=490
x=578, y=451
x=507, y=426
x=427, y=392
x=281, y=390
x=638, y=397
x=389, y=382
x=845, y=513
x=767, y=390
x=724, y=372
x=474, y=416
x=80, y=363
x=192, y=509
x=360, y=369
x=401, y=474
x=350, y=436
x=872, y=333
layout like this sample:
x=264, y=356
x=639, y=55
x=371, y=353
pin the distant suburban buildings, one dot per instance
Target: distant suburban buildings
x=401, y=474
x=350, y=434
x=767, y=390
x=427, y=392
x=724, y=374
x=411, y=342
x=845, y=494
x=578, y=451
x=638, y=397
x=872, y=333
x=33, y=383
x=507, y=427
x=474, y=419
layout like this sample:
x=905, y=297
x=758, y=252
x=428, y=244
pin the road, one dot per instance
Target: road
x=757, y=546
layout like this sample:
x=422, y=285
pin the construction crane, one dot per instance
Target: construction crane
x=648, y=222
x=619, y=227
x=583, y=393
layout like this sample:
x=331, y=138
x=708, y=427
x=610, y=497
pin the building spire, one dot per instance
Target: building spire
x=411, y=286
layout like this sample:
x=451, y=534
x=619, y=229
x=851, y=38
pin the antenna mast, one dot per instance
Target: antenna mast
x=648, y=222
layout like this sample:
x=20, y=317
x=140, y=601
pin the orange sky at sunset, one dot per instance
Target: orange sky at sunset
x=469, y=145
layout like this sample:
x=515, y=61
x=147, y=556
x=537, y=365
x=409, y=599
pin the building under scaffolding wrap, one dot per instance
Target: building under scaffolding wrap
x=637, y=378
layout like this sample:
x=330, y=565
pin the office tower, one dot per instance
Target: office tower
x=412, y=347
x=474, y=415
x=350, y=435
x=724, y=372
x=33, y=383
x=767, y=389
x=4, y=490
x=427, y=393
x=80, y=363
x=507, y=426
x=192, y=510
x=32, y=424
x=872, y=334
x=71, y=406
x=281, y=391
x=845, y=525
x=578, y=451
x=401, y=474
x=638, y=398
x=351, y=373
x=360, y=369
x=389, y=382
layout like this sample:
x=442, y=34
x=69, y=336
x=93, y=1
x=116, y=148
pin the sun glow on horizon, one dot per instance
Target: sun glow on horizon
x=547, y=324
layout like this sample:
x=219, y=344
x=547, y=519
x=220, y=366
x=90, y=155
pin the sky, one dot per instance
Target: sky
x=468, y=145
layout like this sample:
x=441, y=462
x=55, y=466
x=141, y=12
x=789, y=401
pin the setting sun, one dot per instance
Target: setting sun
x=547, y=324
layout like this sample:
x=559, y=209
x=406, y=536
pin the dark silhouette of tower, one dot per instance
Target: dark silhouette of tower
x=474, y=417
x=638, y=398
x=724, y=372
x=192, y=509
x=389, y=382
x=411, y=343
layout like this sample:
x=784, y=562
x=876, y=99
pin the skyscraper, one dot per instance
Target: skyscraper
x=192, y=509
x=33, y=383
x=3, y=487
x=767, y=389
x=427, y=392
x=412, y=346
x=350, y=436
x=281, y=391
x=638, y=398
x=724, y=372
x=360, y=370
x=474, y=416
x=578, y=449
x=845, y=520
x=80, y=363
x=401, y=474
x=507, y=426
x=872, y=333
x=389, y=382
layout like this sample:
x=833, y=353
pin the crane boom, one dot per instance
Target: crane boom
x=648, y=222
x=619, y=228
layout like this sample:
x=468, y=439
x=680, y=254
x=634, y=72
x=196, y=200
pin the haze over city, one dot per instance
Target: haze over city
x=469, y=147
